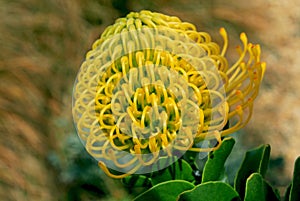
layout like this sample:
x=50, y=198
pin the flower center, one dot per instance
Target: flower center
x=148, y=107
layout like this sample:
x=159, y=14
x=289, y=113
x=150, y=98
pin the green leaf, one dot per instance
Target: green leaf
x=295, y=186
x=166, y=191
x=287, y=193
x=180, y=170
x=136, y=181
x=259, y=190
x=255, y=160
x=214, y=169
x=271, y=193
x=210, y=191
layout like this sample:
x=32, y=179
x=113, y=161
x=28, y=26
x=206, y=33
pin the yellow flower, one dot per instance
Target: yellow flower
x=153, y=87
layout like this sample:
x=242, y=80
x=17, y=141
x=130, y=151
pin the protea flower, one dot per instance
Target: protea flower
x=153, y=87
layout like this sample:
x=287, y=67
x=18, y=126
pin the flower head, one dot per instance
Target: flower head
x=153, y=87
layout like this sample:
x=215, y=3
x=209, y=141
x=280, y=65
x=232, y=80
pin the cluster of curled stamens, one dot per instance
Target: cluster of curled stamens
x=153, y=87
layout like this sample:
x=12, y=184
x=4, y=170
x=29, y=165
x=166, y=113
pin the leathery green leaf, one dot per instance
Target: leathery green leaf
x=214, y=169
x=166, y=191
x=180, y=170
x=295, y=187
x=210, y=191
x=259, y=190
x=255, y=160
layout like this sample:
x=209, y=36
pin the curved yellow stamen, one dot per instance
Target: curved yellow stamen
x=108, y=173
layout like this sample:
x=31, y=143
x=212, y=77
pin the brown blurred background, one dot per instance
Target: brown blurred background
x=42, y=45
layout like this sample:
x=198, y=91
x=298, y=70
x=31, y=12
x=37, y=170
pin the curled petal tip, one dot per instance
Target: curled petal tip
x=225, y=38
x=263, y=69
x=239, y=110
x=223, y=31
x=244, y=38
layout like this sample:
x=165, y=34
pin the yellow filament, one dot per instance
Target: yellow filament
x=107, y=172
x=225, y=39
x=244, y=40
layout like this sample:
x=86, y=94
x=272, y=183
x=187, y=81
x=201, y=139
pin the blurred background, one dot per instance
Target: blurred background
x=42, y=45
